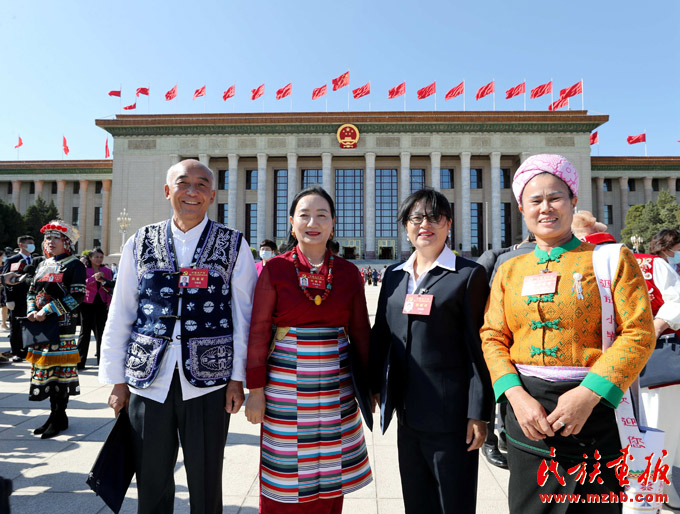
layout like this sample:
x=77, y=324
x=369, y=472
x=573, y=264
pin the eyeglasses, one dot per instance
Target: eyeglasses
x=417, y=219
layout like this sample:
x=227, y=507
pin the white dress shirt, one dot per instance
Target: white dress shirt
x=123, y=314
x=667, y=282
x=446, y=260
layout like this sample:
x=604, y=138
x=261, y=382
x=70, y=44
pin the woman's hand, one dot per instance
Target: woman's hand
x=476, y=434
x=31, y=316
x=119, y=398
x=530, y=414
x=255, y=405
x=40, y=315
x=573, y=409
x=660, y=326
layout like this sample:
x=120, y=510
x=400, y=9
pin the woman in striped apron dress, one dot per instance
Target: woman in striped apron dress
x=313, y=450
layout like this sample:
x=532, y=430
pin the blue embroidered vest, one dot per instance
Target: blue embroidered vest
x=205, y=316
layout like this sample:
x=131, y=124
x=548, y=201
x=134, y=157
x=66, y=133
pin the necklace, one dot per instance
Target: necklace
x=329, y=278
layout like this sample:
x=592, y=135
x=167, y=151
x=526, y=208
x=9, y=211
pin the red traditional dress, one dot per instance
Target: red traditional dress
x=313, y=450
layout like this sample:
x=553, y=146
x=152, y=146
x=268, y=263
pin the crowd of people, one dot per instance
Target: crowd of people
x=551, y=332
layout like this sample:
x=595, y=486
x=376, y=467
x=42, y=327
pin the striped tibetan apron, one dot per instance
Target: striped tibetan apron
x=312, y=441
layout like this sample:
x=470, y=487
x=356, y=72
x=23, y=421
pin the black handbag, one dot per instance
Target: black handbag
x=114, y=468
x=663, y=367
x=40, y=332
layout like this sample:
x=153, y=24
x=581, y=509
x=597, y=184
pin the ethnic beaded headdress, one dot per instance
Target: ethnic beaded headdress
x=61, y=229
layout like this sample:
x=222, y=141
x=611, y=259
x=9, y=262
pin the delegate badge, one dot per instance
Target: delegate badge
x=313, y=280
x=418, y=304
x=52, y=277
x=193, y=278
x=543, y=283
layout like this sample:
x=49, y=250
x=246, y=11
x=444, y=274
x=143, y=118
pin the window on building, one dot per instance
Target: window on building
x=608, y=215
x=386, y=203
x=655, y=184
x=607, y=186
x=251, y=180
x=223, y=179
x=96, y=243
x=477, y=229
x=349, y=203
x=98, y=211
x=311, y=177
x=446, y=180
x=9, y=188
x=223, y=213
x=251, y=223
x=75, y=214
x=280, y=203
x=506, y=231
x=31, y=188
x=631, y=184
x=475, y=178
x=98, y=187
x=505, y=179
x=677, y=185
x=417, y=180
x=76, y=187
x=54, y=188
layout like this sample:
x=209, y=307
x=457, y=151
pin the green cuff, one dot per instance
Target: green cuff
x=610, y=393
x=503, y=384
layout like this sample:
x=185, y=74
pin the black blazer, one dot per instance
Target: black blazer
x=17, y=293
x=431, y=368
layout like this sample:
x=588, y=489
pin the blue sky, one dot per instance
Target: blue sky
x=58, y=60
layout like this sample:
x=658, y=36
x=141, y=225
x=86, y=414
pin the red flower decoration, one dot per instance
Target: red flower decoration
x=63, y=229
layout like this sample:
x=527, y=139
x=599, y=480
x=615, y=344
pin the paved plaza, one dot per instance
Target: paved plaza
x=49, y=475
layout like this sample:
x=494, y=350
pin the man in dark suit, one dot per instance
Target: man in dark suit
x=16, y=294
x=428, y=364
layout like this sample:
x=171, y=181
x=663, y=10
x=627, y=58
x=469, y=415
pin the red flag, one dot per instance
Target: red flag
x=170, y=95
x=485, y=90
x=199, y=92
x=558, y=104
x=107, y=154
x=574, y=90
x=143, y=91
x=257, y=92
x=229, y=93
x=318, y=92
x=20, y=143
x=362, y=91
x=397, y=91
x=517, y=90
x=130, y=107
x=284, y=91
x=541, y=90
x=341, y=81
x=640, y=138
x=114, y=93
x=427, y=91
x=456, y=91
x=594, y=138
x=65, y=145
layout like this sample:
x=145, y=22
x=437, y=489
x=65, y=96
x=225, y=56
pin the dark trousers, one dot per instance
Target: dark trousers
x=202, y=425
x=438, y=474
x=92, y=319
x=15, y=340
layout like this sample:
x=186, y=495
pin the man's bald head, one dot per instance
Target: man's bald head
x=188, y=164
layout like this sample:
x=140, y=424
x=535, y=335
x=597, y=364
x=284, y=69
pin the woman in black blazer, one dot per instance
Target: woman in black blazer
x=428, y=365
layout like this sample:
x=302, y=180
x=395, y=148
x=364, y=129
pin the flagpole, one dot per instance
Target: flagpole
x=348, y=88
x=551, y=91
x=494, y=94
x=645, y=133
x=404, y=97
x=435, y=101
x=291, y=102
x=120, y=98
x=463, y=95
x=525, y=93
x=583, y=102
x=326, y=95
x=148, y=101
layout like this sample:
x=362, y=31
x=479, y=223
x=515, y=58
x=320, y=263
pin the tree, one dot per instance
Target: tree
x=38, y=215
x=11, y=225
x=645, y=220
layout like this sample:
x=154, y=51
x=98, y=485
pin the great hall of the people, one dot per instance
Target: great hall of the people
x=261, y=160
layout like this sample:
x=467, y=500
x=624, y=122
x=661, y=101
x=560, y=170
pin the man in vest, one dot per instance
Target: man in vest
x=176, y=343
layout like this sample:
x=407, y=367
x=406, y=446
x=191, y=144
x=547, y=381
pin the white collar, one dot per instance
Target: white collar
x=190, y=234
x=446, y=260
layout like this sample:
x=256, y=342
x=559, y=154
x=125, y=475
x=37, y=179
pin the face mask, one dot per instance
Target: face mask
x=30, y=248
x=675, y=258
x=266, y=254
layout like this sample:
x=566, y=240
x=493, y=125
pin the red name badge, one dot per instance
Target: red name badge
x=543, y=283
x=193, y=278
x=419, y=304
x=313, y=280
x=17, y=266
x=52, y=277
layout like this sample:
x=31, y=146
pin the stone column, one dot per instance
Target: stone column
x=647, y=181
x=232, y=196
x=61, y=188
x=525, y=231
x=672, y=181
x=204, y=159
x=465, y=200
x=261, y=199
x=293, y=177
x=369, y=204
x=435, y=170
x=495, y=201
x=82, y=216
x=39, y=187
x=106, y=212
x=16, y=193
x=599, y=184
x=623, y=185
x=327, y=173
x=404, y=191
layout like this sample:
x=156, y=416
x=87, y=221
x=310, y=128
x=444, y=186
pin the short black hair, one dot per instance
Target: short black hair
x=97, y=250
x=268, y=243
x=439, y=204
x=665, y=239
x=23, y=239
x=312, y=190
